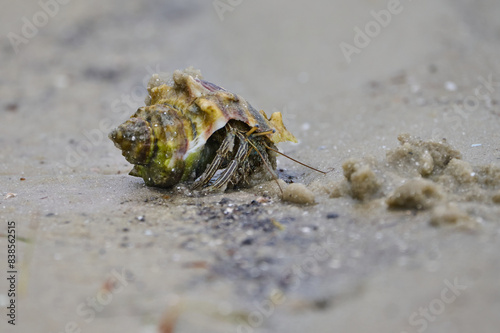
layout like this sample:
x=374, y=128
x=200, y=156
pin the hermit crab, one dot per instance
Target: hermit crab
x=194, y=131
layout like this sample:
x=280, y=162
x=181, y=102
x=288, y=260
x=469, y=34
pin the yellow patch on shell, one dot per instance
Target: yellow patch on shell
x=281, y=134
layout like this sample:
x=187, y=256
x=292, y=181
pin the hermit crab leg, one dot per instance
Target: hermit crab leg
x=266, y=164
x=228, y=173
x=225, y=147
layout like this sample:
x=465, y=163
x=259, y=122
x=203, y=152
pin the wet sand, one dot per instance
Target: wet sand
x=400, y=238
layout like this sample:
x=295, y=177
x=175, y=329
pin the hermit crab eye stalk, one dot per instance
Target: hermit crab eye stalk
x=135, y=139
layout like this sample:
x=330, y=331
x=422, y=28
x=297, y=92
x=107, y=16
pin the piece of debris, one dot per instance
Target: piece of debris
x=278, y=225
x=450, y=86
x=170, y=317
x=363, y=181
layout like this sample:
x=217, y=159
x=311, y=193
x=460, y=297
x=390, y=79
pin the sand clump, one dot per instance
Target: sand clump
x=416, y=193
x=420, y=175
x=417, y=157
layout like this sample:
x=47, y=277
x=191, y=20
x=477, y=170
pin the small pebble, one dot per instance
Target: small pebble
x=332, y=215
x=224, y=201
x=306, y=230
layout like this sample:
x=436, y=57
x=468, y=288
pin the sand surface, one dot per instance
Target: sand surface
x=403, y=236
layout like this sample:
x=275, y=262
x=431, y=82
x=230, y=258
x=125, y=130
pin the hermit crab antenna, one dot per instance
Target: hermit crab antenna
x=267, y=165
x=307, y=166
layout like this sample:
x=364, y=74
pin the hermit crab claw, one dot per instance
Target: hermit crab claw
x=135, y=139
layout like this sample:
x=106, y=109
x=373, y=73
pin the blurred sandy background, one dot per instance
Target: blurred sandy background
x=81, y=220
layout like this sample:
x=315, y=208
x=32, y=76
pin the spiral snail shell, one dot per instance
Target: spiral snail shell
x=191, y=128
